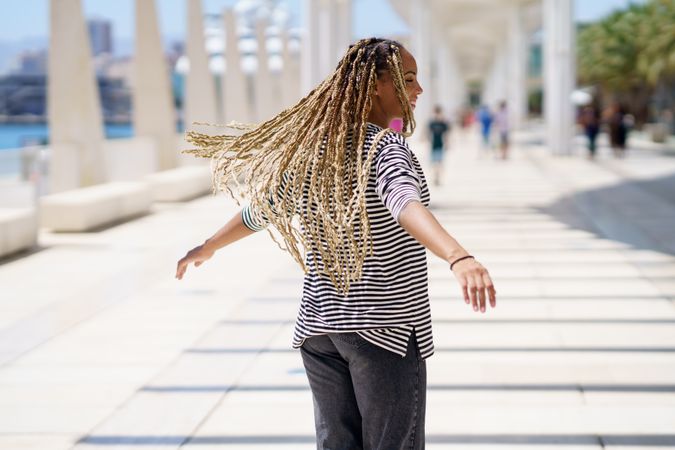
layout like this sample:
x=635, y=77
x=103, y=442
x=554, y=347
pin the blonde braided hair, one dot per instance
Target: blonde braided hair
x=303, y=152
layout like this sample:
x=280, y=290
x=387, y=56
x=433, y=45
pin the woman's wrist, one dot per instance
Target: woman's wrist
x=462, y=258
x=456, y=254
x=210, y=246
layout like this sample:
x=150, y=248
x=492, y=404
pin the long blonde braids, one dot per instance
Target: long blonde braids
x=301, y=155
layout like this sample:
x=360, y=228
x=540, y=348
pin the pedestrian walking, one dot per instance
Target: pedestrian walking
x=484, y=117
x=503, y=128
x=590, y=120
x=348, y=199
x=615, y=117
x=439, y=129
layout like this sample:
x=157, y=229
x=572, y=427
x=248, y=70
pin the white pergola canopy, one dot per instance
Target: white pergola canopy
x=475, y=28
x=460, y=41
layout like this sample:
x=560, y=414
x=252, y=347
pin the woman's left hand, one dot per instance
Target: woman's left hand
x=477, y=286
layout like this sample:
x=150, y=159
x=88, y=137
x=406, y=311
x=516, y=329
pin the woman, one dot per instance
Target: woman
x=360, y=198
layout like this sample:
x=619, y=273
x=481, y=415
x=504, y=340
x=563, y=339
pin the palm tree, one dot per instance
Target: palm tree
x=629, y=53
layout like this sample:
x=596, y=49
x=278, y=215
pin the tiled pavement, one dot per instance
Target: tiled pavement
x=101, y=348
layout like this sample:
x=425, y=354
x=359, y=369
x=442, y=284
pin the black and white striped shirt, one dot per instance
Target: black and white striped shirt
x=391, y=300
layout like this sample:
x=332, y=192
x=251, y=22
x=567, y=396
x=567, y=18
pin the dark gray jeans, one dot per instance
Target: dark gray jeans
x=365, y=397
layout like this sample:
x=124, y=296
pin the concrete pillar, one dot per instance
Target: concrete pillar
x=486, y=87
x=559, y=74
x=442, y=72
x=342, y=28
x=266, y=98
x=328, y=33
x=327, y=37
x=493, y=86
x=290, y=76
x=235, y=99
x=454, y=82
x=497, y=88
x=517, y=64
x=439, y=66
x=154, y=112
x=311, y=45
x=449, y=90
x=74, y=111
x=420, y=25
x=200, y=89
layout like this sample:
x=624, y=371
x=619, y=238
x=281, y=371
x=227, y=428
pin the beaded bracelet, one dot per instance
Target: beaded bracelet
x=460, y=259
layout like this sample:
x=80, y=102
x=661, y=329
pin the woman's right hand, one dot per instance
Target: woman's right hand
x=197, y=256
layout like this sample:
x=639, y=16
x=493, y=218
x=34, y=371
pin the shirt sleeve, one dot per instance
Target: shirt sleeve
x=253, y=219
x=256, y=220
x=397, y=182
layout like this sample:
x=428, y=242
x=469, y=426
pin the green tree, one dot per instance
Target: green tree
x=656, y=61
x=629, y=53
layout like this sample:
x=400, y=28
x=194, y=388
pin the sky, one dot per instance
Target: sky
x=29, y=18
x=24, y=23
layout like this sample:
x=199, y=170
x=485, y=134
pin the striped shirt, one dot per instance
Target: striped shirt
x=390, y=302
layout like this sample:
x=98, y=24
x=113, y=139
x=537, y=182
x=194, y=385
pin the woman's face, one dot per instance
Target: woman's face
x=385, y=99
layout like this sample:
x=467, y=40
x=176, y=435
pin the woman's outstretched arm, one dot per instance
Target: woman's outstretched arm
x=475, y=280
x=231, y=232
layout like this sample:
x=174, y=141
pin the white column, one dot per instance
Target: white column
x=486, y=88
x=309, y=56
x=266, y=104
x=500, y=75
x=154, y=112
x=455, y=83
x=443, y=73
x=200, y=89
x=235, y=92
x=449, y=88
x=326, y=37
x=558, y=74
x=496, y=83
x=420, y=24
x=517, y=50
x=342, y=10
x=439, y=67
x=74, y=110
x=290, y=76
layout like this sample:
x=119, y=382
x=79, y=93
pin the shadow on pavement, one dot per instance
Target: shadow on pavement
x=639, y=213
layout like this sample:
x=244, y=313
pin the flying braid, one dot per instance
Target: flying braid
x=302, y=155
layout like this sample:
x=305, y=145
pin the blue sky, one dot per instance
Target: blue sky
x=24, y=23
x=28, y=18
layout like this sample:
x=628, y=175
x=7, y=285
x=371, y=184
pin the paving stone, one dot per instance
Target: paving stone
x=110, y=351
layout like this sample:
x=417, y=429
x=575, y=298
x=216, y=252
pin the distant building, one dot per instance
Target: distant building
x=31, y=63
x=100, y=36
x=22, y=95
x=25, y=96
